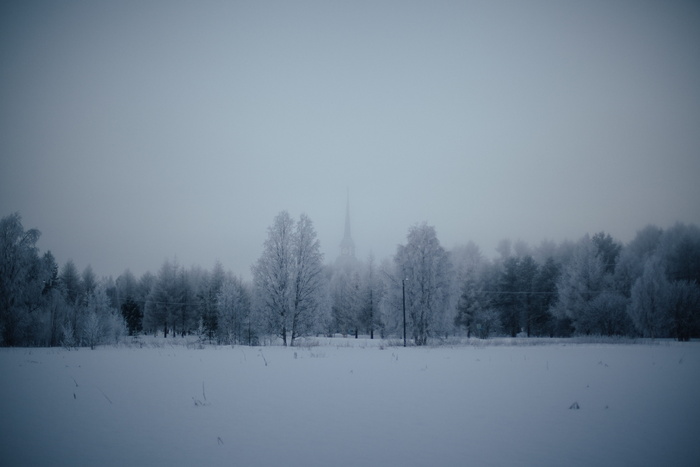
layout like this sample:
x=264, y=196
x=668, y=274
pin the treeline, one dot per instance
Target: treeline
x=594, y=286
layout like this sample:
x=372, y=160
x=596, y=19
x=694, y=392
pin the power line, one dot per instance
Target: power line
x=499, y=292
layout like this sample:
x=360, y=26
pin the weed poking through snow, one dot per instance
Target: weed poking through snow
x=105, y=395
x=263, y=357
x=201, y=403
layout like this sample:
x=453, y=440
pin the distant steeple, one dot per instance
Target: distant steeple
x=347, y=246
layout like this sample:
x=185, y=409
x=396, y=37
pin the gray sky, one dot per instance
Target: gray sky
x=132, y=132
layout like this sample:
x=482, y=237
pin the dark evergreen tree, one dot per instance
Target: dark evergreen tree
x=371, y=295
x=471, y=303
x=507, y=298
x=53, y=300
x=88, y=283
x=680, y=245
x=70, y=283
x=527, y=271
x=183, y=310
x=683, y=301
x=133, y=315
x=163, y=299
x=544, y=297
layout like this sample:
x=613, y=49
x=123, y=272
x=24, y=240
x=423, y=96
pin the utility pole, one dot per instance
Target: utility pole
x=403, y=290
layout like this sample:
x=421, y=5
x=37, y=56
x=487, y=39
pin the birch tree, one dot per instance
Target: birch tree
x=424, y=263
x=307, y=274
x=288, y=277
x=272, y=274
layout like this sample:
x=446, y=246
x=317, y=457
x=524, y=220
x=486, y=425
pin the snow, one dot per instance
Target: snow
x=352, y=402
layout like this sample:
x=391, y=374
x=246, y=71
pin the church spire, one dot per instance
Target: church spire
x=347, y=246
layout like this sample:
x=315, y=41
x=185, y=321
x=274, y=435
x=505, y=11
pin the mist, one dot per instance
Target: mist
x=131, y=133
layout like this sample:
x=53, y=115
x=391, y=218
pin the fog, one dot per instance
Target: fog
x=132, y=132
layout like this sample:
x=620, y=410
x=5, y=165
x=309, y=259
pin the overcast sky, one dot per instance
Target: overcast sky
x=134, y=132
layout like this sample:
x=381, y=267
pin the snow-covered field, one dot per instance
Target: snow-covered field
x=352, y=402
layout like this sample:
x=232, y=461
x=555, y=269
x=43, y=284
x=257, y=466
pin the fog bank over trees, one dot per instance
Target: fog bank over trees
x=649, y=287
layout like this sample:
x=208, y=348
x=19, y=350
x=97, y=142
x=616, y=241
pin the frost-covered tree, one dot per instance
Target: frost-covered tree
x=209, y=286
x=102, y=323
x=233, y=305
x=273, y=275
x=92, y=329
x=580, y=282
x=506, y=300
x=472, y=303
x=683, y=302
x=648, y=308
x=425, y=265
x=22, y=277
x=88, y=283
x=608, y=250
x=468, y=297
x=514, y=295
x=71, y=289
x=127, y=301
x=324, y=318
x=680, y=249
x=606, y=315
x=144, y=287
x=632, y=258
x=163, y=300
x=53, y=303
x=288, y=277
x=391, y=305
x=527, y=274
x=183, y=312
x=70, y=283
x=133, y=316
x=487, y=323
x=372, y=293
x=661, y=307
x=308, y=278
x=346, y=298
x=544, y=296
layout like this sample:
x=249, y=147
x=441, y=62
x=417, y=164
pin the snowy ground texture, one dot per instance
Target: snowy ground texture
x=353, y=402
